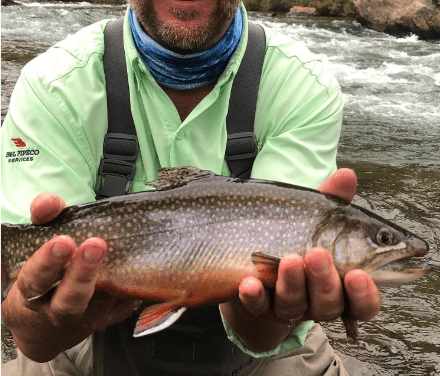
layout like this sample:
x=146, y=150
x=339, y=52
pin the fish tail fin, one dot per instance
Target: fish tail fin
x=266, y=266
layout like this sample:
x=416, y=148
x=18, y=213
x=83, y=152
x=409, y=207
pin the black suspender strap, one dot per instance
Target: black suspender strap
x=121, y=146
x=242, y=147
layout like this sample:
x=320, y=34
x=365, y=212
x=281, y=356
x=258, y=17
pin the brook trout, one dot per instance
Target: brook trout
x=198, y=235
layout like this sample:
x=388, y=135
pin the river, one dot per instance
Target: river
x=390, y=137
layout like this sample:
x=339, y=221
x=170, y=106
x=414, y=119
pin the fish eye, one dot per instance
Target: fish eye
x=384, y=237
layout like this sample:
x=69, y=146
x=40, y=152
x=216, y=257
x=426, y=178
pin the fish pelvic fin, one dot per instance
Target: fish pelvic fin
x=351, y=327
x=266, y=266
x=157, y=317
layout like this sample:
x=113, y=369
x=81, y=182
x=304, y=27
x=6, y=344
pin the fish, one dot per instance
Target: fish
x=191, y=241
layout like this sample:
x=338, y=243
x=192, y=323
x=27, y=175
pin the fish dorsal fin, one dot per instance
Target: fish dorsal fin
x=173, y=177
x=157, y=317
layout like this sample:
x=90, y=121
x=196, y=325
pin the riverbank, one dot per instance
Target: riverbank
x=331, y=8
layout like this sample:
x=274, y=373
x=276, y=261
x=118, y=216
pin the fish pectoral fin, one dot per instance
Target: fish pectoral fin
x=45, y=293
x=52, y=288
x=266, y=266
x=350, y=326
x=157, y=317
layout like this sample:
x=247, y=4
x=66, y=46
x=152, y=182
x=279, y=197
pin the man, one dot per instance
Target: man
x=59, y=110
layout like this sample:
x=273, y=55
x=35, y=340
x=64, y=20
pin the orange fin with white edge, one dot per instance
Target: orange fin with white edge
x=157, y=317
x=266, y=266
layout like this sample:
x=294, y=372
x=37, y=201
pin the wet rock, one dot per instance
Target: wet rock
x=9, y=2
x=302, y=11
x=400, y=17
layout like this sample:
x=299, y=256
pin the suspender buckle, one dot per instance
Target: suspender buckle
x=121, y=146
x=114, y=176
x=241, y=146
x=118, y=167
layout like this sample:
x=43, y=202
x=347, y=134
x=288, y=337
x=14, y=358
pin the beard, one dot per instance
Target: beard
x=178, y=37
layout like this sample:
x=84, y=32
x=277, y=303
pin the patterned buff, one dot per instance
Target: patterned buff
x=199, y=69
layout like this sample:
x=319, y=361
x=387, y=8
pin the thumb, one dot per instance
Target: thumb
x=46, y=207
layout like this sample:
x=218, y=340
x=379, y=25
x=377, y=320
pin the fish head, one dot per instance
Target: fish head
x=359, y=239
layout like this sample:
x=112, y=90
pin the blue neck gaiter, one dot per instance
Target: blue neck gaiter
x=186, y=71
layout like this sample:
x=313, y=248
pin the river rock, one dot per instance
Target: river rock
x=302, y=11
x=400, y=17
x=9, y=2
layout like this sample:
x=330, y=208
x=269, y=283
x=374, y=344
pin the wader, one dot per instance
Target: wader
x=197, y=343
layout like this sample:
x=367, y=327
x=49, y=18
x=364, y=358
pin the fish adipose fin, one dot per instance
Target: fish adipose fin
x=266, y=266
x=157, y=317
x=174, y=177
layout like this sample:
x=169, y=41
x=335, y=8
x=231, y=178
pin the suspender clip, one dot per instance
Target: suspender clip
x=121, y=146
x=242, y=145
x=118, y=167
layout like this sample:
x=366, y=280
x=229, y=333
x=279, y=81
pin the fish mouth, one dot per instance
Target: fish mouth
x=399, y=272
x=397, y=265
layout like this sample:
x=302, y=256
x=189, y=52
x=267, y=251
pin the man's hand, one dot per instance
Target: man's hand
x=307, y=288
x=44, y=327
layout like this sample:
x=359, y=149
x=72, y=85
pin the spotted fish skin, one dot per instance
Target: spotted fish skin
x=194, y=239
x=191, y=237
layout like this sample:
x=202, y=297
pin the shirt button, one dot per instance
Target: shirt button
x=179, y=135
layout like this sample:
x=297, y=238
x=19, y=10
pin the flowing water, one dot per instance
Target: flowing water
x=390, y=137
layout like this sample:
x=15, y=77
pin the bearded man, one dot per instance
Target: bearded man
x=182, y=58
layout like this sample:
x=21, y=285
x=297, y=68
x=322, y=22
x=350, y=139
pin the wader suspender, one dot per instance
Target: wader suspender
x=121, y=147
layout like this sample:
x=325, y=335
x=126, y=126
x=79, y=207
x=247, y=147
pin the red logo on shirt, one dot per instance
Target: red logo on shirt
x=19, y=142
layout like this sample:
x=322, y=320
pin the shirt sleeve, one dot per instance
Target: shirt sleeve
x=42, y=151
x=298, y=118
x=294, y=340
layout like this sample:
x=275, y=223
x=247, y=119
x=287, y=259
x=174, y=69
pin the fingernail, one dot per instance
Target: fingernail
x=93, y=254
x=320, y=265
x=253, y=297
x=358, y=285
x=60, y=251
